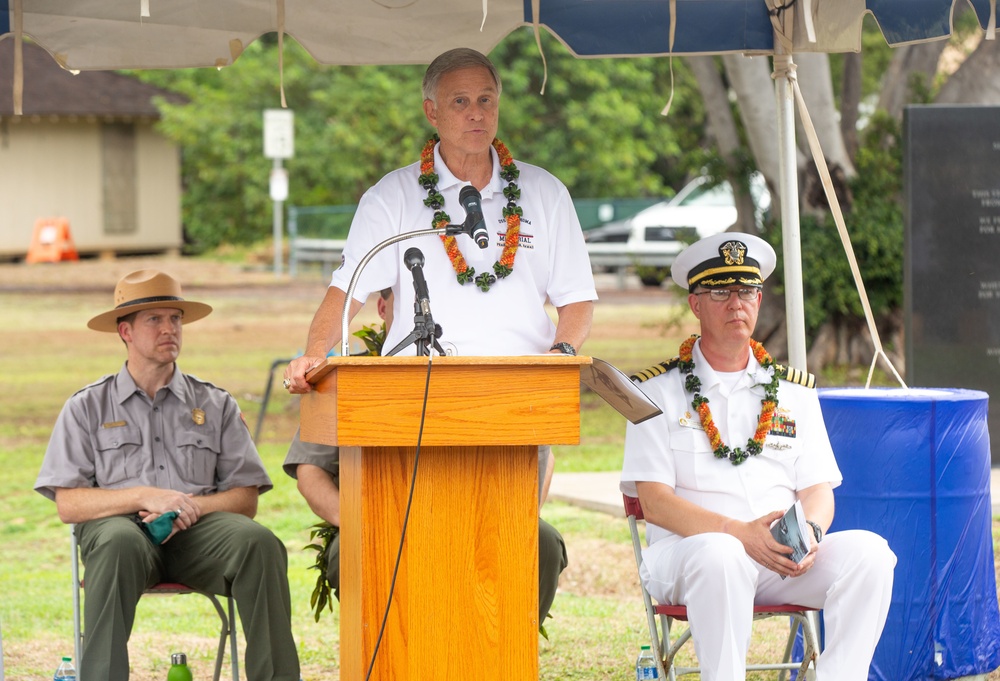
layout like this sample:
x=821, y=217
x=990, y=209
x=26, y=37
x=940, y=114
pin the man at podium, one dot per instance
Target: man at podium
x=316, y=468
x=488, y=288
x=488, y=298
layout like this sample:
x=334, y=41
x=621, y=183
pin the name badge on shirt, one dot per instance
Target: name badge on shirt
x=198, y=416
x=114, y=424
x=690, y=422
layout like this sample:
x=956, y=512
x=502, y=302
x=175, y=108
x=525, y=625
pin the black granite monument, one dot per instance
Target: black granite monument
x=952, y=263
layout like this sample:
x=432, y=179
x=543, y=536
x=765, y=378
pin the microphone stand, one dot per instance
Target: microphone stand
x=425, y=334
x=431, y=334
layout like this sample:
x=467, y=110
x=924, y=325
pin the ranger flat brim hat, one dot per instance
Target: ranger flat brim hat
x=722, y=260
x=144, y=290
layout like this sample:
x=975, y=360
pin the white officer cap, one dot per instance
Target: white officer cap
x=725, y=259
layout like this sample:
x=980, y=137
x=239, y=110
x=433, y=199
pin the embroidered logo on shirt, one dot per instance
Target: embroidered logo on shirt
x=114, y=424
x=780, y=446
x=198, y=416
x=782, y=425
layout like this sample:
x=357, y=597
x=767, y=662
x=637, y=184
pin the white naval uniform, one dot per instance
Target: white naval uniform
x=551, y=263
x=711, y=573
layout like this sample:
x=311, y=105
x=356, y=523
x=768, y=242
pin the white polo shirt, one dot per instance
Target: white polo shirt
x=551, y=263
x=673, y=448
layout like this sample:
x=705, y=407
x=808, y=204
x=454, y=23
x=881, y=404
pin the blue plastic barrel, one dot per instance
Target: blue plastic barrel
x=916, y=467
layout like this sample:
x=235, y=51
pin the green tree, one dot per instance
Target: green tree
x=596, y=127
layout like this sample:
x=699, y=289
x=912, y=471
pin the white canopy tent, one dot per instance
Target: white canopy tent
x=142, y=34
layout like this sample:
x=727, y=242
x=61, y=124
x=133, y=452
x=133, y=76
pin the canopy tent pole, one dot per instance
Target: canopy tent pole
x=795, y=318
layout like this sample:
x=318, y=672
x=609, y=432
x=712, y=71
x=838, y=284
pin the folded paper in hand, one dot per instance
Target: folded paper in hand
x=618, y=390
x=791, y=530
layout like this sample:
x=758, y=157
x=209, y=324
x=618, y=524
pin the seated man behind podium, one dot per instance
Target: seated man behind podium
x=739, y=441
x=316, y=468
x=151, y=441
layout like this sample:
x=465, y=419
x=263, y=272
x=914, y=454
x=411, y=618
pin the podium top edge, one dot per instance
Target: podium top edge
x=414, y=361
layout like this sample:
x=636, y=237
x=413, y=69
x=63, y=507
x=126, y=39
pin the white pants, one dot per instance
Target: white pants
x=712, y=575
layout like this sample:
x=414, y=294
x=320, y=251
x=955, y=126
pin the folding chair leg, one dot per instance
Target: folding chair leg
x=75, y=570
x=223, y=635
x=234, y=657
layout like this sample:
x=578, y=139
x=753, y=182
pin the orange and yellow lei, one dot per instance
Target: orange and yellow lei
x=511, y=212
x=769, y=404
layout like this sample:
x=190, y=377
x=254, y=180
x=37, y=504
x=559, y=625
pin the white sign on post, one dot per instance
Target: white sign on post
x=279, y=184
x=279, y=133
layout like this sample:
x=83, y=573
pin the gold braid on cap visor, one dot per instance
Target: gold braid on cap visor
x=724, y=270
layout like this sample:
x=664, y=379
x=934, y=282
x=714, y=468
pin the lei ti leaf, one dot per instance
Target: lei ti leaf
x=468, y=275
x=485, y=280
x=769, y=405
x=509, y=171
x=434, y=200
x=321, y=596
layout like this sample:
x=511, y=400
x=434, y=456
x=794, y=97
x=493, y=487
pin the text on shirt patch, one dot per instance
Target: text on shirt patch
x=782, y=426
x=114, y=424
x=523, y=240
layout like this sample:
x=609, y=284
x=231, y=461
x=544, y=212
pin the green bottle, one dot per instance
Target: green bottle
x=178, y=668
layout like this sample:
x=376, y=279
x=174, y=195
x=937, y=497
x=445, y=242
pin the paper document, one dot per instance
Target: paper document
x=792, y=530
x=618, y=390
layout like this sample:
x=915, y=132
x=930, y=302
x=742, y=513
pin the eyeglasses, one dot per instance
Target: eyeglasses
x=721, y=295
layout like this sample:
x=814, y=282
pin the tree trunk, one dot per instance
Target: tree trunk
x=976, y=80
x=909, y=63
x=750, y=78
x=846, y=341
x=817, y=91
x=721, y=129
x=850, y=100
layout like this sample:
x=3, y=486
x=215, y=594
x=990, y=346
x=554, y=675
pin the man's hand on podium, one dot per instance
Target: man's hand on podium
x=295, y=373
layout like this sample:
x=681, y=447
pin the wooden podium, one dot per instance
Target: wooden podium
x=466, y=593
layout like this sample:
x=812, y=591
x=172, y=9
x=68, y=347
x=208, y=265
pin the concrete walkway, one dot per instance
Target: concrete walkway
x=599, y=491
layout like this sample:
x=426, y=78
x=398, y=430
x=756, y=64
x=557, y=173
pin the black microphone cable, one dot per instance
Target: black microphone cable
x=406, y=520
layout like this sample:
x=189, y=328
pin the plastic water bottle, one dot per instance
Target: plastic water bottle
x=66, y=671
x=178, y=668
x=645, y=666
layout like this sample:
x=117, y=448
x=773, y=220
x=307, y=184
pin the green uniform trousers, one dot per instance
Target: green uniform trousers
x=223, y=553
x=551, y=562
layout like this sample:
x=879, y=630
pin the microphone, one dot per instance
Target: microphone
x=475, y=223
x=414, y=261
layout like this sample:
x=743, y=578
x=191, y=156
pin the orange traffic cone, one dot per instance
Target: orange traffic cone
x=51, y=242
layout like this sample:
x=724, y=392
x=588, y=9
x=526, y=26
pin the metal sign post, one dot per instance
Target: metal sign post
x=279, y=144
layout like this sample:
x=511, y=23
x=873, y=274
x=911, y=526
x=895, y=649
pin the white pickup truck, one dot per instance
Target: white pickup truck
x=649, y=241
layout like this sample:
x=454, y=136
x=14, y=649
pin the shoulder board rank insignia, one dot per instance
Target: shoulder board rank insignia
x=795, y=376
x=198, y=416
x=655, y=370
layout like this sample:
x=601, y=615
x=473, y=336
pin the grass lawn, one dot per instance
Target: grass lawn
x=47, y=353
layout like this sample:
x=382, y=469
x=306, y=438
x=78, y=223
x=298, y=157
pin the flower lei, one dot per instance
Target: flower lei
x=512, y=213
x=768, y=407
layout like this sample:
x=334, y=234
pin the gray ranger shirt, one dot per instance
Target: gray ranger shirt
x=191, y=438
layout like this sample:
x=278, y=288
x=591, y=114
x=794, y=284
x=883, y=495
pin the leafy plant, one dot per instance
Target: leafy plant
x=321, y=595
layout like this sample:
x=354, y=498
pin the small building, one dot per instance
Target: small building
x=85, y=150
